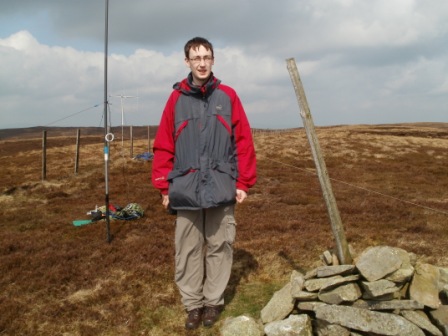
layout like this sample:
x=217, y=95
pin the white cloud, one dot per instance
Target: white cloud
x=41, y=83
x=360, y=61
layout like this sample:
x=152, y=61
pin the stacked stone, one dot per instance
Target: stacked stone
x=386, y=292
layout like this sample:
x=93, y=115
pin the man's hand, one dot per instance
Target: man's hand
x=241, y=195
x=165, y=201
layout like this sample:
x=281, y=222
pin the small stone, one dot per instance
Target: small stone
x=335, y=260
x=327, y=258
x=327, y=271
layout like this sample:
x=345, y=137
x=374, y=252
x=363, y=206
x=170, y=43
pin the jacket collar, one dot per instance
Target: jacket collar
x=187, y=87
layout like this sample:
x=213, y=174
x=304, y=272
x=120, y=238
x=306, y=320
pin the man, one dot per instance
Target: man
x=204, y=162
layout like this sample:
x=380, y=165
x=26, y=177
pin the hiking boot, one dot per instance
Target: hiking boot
x=211, y=315
x=194, y=318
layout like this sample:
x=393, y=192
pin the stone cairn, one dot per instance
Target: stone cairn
x=386, y=292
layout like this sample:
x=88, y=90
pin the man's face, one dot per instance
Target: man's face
x=200, y=62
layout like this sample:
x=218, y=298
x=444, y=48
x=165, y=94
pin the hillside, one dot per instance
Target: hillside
x=390, y=184
x=36, y=132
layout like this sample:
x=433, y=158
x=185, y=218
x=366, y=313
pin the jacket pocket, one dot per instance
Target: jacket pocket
x=223, y=180
x=183, y=190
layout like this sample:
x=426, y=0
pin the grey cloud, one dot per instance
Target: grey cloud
x=360, y=61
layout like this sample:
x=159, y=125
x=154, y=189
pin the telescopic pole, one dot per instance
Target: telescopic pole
x=107, y=137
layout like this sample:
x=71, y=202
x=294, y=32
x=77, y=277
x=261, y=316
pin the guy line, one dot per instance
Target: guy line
x=365, y=189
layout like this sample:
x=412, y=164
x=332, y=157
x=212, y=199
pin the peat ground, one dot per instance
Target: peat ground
x=390, y=184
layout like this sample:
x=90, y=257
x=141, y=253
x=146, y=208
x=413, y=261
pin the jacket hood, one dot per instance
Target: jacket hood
x=187, y=87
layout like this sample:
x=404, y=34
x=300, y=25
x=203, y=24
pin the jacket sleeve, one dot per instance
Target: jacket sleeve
x=245, y=150
x=163, y=147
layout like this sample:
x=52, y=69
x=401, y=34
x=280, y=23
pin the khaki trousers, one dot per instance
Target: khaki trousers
x=204, y=255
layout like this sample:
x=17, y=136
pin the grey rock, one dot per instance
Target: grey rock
x=406, y=270
x=389, y=305
x=424, y=287
x=385, y=297
x=440, y=318
x=312, y=285
x=335, y=260
x=403, y=294
x=413, y=258
x=367, y=321
x=388, y=297
x=346, y=293
x=309, y=305
x=443, y=278
x=338, y=282
x=304, y=295
x=396, y=293
x=401, y=275
x=241, y=325
x=327, y=257
x=327, y=271
x=420, y=319
x=294, y=325
x=362, y=304
x=444, y=294
x=323, y=328
x=311, y=274
x=378, y=288
x=280, y=305
x=377, y=262
x=297, y=282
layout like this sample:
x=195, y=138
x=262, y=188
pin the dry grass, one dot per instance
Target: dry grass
x=390, y=183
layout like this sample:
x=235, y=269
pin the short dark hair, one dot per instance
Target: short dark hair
x=195, y=43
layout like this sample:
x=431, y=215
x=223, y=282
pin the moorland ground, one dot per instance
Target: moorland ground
x=390, y=183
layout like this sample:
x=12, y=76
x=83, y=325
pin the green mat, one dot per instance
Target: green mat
x=80, y=222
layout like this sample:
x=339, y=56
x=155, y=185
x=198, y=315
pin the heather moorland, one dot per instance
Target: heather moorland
x=390, y=183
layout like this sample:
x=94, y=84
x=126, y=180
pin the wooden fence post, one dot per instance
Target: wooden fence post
x=333, y=212
x=44, y=155
x=78, y=136
x=132, y=141
x=149, y=139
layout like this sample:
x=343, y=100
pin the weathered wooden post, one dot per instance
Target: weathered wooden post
x=78, y=136
x=149, y=139
x=44, y=155
x=132, y=141
x=333, y=212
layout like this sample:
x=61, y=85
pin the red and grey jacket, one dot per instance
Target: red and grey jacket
x=203, y=149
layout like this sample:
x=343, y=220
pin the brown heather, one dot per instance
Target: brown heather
x=390, y=183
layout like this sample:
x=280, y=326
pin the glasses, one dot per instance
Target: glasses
x=198, y=59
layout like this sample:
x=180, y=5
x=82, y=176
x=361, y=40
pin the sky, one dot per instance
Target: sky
x=360, y=61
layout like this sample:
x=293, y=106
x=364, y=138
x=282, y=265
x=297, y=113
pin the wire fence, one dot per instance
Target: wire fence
x=147, y=133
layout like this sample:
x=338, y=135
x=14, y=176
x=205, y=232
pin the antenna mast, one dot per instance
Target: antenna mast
x=107, y=135
x=122, y=114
